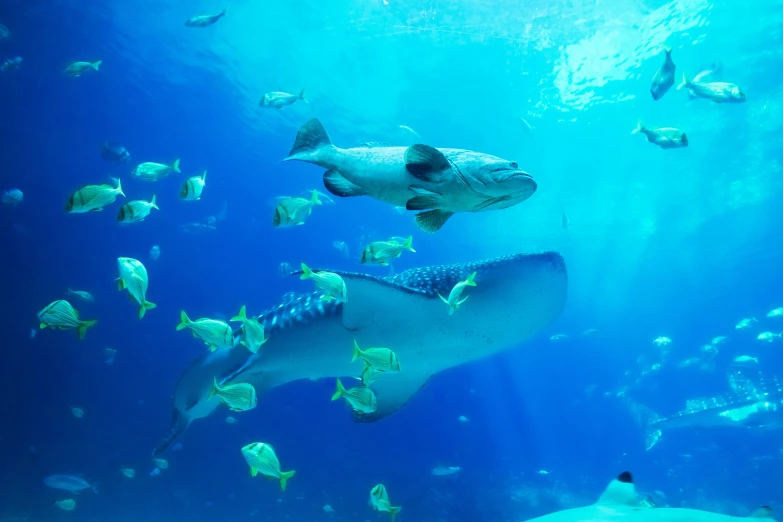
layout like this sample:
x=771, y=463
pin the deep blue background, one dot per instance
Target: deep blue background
x=550, y=406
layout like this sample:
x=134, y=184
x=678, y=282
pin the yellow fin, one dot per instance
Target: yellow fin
x=284, y=476
x=184, y=321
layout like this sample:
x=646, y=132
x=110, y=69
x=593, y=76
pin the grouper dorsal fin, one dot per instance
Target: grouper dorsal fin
x=619, y=491
x=425, y=162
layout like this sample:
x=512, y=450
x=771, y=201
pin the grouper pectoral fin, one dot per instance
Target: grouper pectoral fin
x=375, y=303
x=392, y=391
x=338, y=185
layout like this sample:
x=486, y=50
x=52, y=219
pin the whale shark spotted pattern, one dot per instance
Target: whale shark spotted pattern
x=311, y=338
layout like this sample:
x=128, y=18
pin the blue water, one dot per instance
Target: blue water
x=678, y=243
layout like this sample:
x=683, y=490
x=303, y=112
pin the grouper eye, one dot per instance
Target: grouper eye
x=514, y=165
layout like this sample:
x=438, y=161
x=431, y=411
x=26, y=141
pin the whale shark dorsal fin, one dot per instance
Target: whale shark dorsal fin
x=619, y=491
x=375, y=302
x=392, y=391
x=763, y=512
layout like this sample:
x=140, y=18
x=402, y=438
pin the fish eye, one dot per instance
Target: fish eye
x=514, y=165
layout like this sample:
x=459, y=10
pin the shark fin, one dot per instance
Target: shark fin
x=619, y=491
x=373, y=302
x=763, y=512
x=179, y=424
x=392, y=392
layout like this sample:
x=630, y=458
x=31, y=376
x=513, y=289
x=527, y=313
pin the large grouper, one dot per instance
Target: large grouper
x=515, y=298
x=440, y=182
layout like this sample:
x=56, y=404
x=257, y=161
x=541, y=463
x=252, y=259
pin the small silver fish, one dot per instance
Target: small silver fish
x=664, y=77
x=664, y=137
x=77, y=68
x=81, y=294
x=205, y=20
x=279, y=100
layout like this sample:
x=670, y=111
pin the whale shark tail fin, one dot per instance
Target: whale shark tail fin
x=179, y=424
x=620, y=491
x=648, y=420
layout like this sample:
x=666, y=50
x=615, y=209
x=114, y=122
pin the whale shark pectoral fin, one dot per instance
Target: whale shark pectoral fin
x=620, y=491
x=179, y=424
x=377, y=303
x=392, y=392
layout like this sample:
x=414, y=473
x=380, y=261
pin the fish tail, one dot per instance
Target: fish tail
x=118, y=190
x=314, y=199
x=204, y=176
x=242, y=316
x=175, y=166
x=356, y=351
x=302, y=95
x=667, y=50
x=144, y=307
x=310, y=140
x=409, y=244
x=685, y=83
x=393, y=511
x=470, y=281
x=339, y=392
x=96, y=65
x=184, y=320
x=153, y=204
x=306, y=272
x=82, y=329
x=215, y=390
x=639, y=128
x=284, y=476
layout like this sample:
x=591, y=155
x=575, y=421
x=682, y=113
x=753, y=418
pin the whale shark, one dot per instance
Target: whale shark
x=515, y=298
x=755, y=402
x=620, y=501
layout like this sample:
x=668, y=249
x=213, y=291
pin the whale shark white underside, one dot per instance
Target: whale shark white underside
x=621, y=502
x=516, y=297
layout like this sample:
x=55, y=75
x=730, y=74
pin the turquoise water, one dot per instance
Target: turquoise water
x=679, y=243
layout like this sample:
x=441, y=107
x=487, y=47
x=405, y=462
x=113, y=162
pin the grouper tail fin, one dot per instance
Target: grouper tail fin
x=311, y=140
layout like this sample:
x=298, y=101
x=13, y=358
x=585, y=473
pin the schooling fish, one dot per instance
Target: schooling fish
x=719, y=92
x=60, y=315
x=77, y=68
x=278, y=100
x=193, y=187
x=664, y=137
x=439, y=182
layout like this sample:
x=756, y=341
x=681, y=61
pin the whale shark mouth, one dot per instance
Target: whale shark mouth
x=516, y=297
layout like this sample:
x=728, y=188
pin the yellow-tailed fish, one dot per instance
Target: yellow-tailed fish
x=291, y=212
x=332, y=284
x=152, y=171
x=238, y=397
x=192, y=188
x=213, y=332
x=379, y=500
x=77, y=68
x=133, y=276
x=381, y=252
x=252, y=330
x=68, y=504
x=360, y=399
x=454, y=300
x=92, y=198
x=368, y=375
x=60, y=315
x=136, y=210
x=380, y=359
x=262, y=459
